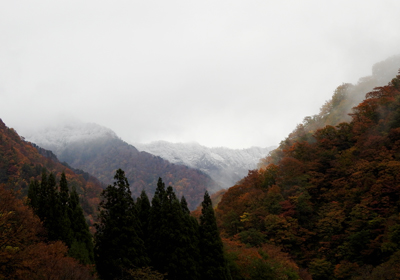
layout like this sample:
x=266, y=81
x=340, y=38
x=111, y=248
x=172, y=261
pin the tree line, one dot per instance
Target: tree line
x=160, y=236
x=62, y=215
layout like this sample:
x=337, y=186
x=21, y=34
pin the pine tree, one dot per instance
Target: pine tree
x=211, y=247
x=118, y=246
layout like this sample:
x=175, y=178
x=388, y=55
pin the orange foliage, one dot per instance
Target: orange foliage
x=23, y=252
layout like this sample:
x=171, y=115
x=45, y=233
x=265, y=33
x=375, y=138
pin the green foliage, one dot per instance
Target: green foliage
x=321, y=269
x=173, y=242
x=62, y=215
x=164, y=231
x=118, y=246
x=81, y=236
x=252, y=237
x=211, y=248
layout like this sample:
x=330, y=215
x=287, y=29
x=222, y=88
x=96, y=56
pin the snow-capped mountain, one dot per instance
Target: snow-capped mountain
x=226, y=166
x=57, y=138
x=99, y=151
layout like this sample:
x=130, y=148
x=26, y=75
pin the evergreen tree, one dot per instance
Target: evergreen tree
x=48, y=205
x=211, y=247
x=82, y=245
x=118, y=246
x=157, y=229
x=42, y=199
x=65, y=231
x=190, y=239
x=62, y=215
x=33, y=194
x=173, y=241
x=143, y=207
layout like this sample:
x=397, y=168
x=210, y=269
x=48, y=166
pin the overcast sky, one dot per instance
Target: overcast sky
x=221, y=73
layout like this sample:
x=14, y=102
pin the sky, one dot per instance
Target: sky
x=220, y=73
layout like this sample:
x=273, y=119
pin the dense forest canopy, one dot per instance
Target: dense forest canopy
x=329, y=197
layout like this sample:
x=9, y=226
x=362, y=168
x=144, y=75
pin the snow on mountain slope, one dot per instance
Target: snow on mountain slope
x=226, y=166
x=56, y=138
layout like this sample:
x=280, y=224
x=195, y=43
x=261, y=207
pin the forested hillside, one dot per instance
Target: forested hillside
x=329, y=197
x=21, y=162
x=338, y=108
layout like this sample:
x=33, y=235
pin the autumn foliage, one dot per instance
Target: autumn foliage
x=329, y=198
x=24, y=252
x=21, y=162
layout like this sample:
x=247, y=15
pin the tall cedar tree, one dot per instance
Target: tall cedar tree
x=156, y=228
x=62, y=215
x=143, y=207
x=82, y=244
x=211, y=247
x=118, y=246
x=173, y=245
x=44, y=200
x=64, y=219
x=191, y=242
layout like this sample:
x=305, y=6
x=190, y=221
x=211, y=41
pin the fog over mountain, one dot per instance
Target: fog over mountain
x=58, y=137
x=214, y=72
x=226, y=166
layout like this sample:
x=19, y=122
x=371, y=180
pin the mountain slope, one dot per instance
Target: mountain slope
x=100, y=152
x=338, y=108
x=332, y=201
x=225, y=166
x=21, y=162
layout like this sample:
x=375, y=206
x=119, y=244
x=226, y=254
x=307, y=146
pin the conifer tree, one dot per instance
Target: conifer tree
x=190, y=240
x=173, y=241
x=211, y=247
x=81, y=241
x=48, y=210
x=64, y=219
x=143, y=207
x=118, y=246
x=42, y=199
x=33, y=194
x=157, y=228
x=62, y=215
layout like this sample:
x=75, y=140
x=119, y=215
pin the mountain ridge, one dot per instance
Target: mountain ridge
x=99, y=151
x=225, y=165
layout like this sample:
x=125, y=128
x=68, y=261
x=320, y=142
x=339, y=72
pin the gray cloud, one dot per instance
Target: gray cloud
x=222, y=73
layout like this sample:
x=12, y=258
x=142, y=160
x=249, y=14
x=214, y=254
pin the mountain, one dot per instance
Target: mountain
x=339, y=108
x=99, y=151
x=330, y=196
x=225, y=166
x=22, y=161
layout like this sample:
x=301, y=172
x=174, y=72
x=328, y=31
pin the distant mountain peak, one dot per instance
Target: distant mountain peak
x=226, y=166
x=56, y=138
